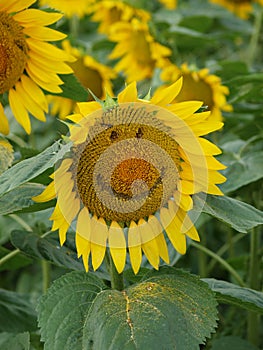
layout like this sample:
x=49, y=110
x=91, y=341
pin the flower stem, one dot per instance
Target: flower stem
x=228, y=267
x=9, y=256
x=253, y=320
x=45, y=275
x=252, y=48
x=20, y=221
x=116, y=278
x=74, y=26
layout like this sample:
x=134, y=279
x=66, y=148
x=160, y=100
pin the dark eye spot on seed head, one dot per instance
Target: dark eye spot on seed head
x=113, y=135
x=139, y=133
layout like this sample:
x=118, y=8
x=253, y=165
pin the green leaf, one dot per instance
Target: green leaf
x=166, y=311
x=19, y=198
x=16, y=313
x=239, y=215
x=12, y=341
x=47, y=248
x=32, y=167
x=72, y=88
x=230, y=293
x=232, y=343
x=63, y=310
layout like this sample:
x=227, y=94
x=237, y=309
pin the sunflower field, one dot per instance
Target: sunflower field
x=131, y=166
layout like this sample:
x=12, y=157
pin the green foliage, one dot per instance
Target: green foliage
x=47, y=248
x=239, y=215
x=16, y=313
x=230, y=293
x=14, y=341
x=172, y=305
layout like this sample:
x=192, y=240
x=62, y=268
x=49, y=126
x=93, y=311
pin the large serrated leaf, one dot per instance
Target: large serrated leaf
x=31, y=167
x=19, y=198
x=166, y=311
x=239, y=215
x=12, y=341
x=47, y=248
x=63, y=310
x=230, y=293
x=16, y=313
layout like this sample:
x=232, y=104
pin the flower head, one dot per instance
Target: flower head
x=134, y=167
x=139, y=53
x=110, y=12
x=24, y=68
x=199, y=85
x=69, y=8
x=242, y=8
x=91, y=74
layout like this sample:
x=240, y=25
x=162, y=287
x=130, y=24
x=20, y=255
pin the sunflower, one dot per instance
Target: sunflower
x=109, y=12
x=91, y=74
x=134, y=167
x=138, y=51
x=170, y=4
x=241, y=8
x=69, y=8
x=27, y=62
x=199, y=85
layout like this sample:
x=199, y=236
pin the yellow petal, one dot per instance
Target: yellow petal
x=50, y=65
x=62, y=231
x=44, y=49
x=43, y=33
x=4, y=125
x=86, y=108
x=35, y=92
x=117, y=246
x=206, y=127
x=51, y=87
x=99, y=236
x=83, y=249
x=184, y=109
x=129, y=94
x=37, y=17
x=167, y=95
x=15, y=6
x=134, y=244
x=149, y=245
x=208, y=147
x=48, y=194
x=172, y=226
x=19, y=110
x=30, y=104
x=84, y=224
x=158, y=234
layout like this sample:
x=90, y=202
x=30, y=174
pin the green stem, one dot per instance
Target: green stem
x=45, y=275
x=117, y=281
x=252, y=48
x=74, y=26
x=253, y=320
x=9, y=256
x=228, y=267
x=224, y=249
x=20, y=221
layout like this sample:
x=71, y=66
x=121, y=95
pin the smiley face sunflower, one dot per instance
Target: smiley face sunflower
x=129, y=180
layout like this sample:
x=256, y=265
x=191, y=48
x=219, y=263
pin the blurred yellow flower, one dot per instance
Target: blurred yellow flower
x=134, y=166
x=137, y=50
x=70, y=8
x=110, y=12
x=199, y=85
x=241, y=8
x=27, y=61
x=170, y=4
x=91, y=74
